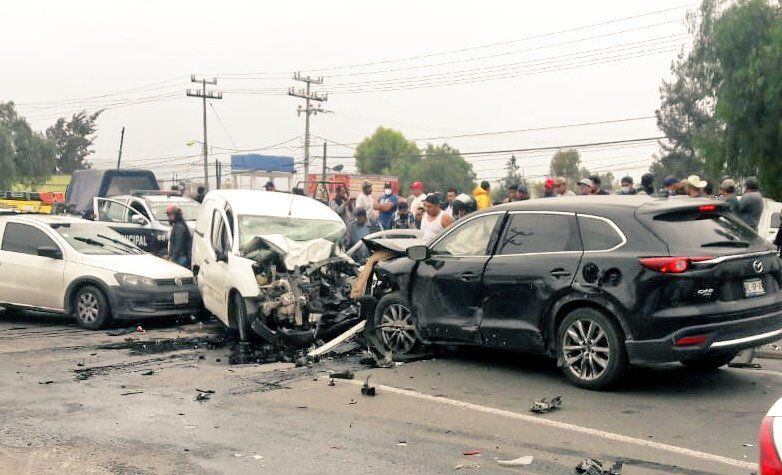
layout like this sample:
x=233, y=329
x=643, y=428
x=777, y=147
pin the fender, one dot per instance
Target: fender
x=399, y=272
x=581, y=295
x=81, y=281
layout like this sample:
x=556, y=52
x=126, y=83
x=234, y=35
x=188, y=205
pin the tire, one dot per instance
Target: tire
x=91, y=308
x=707, y=364
x=392, y=328
x=239, y=313
x=599, y=363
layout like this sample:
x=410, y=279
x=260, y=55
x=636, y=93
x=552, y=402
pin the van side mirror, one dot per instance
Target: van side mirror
x=418, y=253
x=50, y=252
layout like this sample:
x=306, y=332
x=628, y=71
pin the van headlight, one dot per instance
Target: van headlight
x=130, y=280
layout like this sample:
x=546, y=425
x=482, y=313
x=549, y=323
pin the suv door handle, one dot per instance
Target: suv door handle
x=469, y=276
x=559, y=272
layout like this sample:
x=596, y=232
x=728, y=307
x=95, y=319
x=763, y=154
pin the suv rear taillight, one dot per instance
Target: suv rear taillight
x=671, y=265
x=770, y=463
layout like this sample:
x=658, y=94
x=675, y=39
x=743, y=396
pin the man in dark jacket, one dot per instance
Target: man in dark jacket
x=180, y=241
x=751, y=204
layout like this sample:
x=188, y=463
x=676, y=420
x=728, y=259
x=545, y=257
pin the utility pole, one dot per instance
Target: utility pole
x=325, y=186
x=308, y=110
x=218, y=173
x=204, y=95
x=121, y=141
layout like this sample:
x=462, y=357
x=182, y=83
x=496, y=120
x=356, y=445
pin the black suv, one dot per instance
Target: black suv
x=597, y=282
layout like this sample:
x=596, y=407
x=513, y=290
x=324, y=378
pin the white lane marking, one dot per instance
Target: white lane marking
x=565, y=426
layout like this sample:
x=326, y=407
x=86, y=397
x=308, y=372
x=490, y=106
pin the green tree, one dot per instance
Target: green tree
x=442, y=167
x=567, y=163
x=512, y=177
x=722, y=111
x=386, y=151
x=73, y=139
x=25, y=156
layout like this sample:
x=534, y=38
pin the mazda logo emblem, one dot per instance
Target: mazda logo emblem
x=178, y=281
x=757, y=266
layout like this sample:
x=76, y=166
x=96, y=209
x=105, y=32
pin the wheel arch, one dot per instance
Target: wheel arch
x=77, y=284
x=573, y=302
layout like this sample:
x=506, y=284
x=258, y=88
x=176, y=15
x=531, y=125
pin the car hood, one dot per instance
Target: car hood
x=295, y=253
x=145, y=265
x=398, y=246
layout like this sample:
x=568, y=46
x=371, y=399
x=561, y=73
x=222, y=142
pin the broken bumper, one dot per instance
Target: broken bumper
x=717, y=339
x=168, y=301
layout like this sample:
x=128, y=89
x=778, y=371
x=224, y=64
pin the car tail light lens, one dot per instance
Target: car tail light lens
x=691, y=340
x=671, y=265
x=707, y=208
x=770, y=464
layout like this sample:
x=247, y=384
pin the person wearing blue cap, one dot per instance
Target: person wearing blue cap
x=669, y=183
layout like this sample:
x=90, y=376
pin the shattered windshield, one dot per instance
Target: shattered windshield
x=95, y=239
x=295, y=229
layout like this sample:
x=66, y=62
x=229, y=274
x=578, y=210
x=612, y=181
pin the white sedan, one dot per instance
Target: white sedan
x=73, y=266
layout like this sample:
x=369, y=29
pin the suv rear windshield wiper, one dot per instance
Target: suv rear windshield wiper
x=726, y=244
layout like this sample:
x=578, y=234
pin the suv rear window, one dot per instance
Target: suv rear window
x=705, y=230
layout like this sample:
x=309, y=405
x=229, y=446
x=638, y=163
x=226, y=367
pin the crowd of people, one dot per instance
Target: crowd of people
x=434, y=211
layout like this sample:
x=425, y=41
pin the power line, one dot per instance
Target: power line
x=225, y=129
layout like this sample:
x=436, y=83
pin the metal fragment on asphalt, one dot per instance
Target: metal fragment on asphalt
x=519, y=462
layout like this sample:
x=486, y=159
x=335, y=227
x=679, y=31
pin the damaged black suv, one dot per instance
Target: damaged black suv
x=598, y=282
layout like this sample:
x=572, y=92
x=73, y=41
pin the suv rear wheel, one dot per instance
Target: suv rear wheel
x=91, y=308
x=591, y=349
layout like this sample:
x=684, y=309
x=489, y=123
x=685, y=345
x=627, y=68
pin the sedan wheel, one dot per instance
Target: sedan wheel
x=586, y=349
x=91, y=308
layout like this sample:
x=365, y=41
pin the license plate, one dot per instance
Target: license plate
x=753, y=288
x=181, y=298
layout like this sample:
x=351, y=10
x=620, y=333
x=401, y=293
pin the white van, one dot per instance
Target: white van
x=769, y=219
x=272, y=263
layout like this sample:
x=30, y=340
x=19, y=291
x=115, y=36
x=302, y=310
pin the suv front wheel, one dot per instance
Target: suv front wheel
x=392, y=330
x=591, y=349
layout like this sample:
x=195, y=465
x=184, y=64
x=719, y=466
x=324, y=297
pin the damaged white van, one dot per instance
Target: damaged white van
x=271, y=265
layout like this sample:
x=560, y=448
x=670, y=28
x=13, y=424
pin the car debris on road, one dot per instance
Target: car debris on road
x=519, y=462
x=366, y=389
x=595, y=467
x=543, y=406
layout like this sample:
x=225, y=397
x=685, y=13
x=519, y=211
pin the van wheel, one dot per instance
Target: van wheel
x=239, y=315
x=708, y=363
x=393, y=329
x=91, y=308
x=591, y=349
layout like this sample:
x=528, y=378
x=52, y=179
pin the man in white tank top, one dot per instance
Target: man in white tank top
x=435, y=220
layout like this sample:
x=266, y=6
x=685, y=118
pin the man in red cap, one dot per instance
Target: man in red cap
x=548, y=186
x=418, y=196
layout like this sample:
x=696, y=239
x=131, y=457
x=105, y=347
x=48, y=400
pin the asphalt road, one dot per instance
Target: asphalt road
x=74, y=401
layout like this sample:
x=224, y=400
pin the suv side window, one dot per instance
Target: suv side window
x=469, y=239
x=528, y=233
x=597, y=234
x=25, y=239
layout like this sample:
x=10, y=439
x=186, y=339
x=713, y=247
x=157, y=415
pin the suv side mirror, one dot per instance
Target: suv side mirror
x=50, y=252
x=418, y=253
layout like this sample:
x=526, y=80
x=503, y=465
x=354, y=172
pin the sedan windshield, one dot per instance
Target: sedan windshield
x=95, y=239
x=189, y=209
x=295, y=229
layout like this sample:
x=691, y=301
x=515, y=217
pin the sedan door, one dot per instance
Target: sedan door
x=536, y=260
x=130, y=223
x=27, y=278
x=448, y=290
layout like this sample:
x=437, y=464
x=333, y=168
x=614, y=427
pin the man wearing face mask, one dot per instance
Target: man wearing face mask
x=386, y=206
x=180, y=241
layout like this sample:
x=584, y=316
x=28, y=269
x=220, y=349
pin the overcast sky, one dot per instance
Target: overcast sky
x=483, y=66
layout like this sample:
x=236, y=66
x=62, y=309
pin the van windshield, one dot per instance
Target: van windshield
x=95, y=239
x=295, y=229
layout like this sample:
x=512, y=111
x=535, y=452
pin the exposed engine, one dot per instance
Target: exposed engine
x=303, y=303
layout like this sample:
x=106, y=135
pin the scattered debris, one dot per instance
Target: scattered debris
x=208, y=391
x=121, y=331
x=595, y=467
x=79, y=364
x=472, y=452
x=331, y=382
x=149, y=373
x=258, y=457
x=402, y=443
x=140, y=330
x=352, y=401
x=338, y=340
x=366, y=389
x=45, y=382
x=347, y=374
x=519, y=462
x=744, y=365
x=204, y=394
x=544, y=406
x=748, y=445
x=237, y=455
x=466, y=465
x=132, y=391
